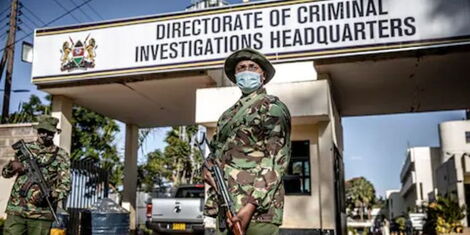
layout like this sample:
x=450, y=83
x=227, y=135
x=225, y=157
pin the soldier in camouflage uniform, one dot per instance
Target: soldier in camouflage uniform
x=252, y=146
x=27, y=211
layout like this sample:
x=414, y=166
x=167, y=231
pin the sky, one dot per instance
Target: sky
x=375, y=146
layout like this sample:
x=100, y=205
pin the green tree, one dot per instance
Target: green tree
x=29, y=111
x=179, y=163
x=184, y=155
x=155, y=170
x=444, y=216
x=401, y=223
x=379, y=202
x=93, y=135
x=360, y=193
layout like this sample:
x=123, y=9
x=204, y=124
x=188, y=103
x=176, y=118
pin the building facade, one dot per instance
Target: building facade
x=204, y=4
x=429, y=172
x=453, y=176
x=417, y=176
x=395, y=204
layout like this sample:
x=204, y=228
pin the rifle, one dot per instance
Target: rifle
x=34, y=173
x=222, y=192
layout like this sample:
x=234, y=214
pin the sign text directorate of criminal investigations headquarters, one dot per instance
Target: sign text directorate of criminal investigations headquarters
x=322, y=24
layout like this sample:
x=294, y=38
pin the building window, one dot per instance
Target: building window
x=297, y=180
x=467, y=137
x=421, y=191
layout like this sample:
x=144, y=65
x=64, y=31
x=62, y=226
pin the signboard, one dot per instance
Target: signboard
x=283, y=30
x=417, y=220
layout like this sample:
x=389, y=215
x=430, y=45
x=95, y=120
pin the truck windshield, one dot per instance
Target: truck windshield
x=190, y=192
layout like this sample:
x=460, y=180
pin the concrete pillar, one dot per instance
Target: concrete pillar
x=330, y=135
x=62, y=109
x=460, y=183
x=130, y=173
x=326, y=175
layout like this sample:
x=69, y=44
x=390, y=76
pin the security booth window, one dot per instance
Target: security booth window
x=297, y=179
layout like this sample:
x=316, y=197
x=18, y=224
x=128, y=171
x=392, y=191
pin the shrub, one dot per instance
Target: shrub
x=444, y=216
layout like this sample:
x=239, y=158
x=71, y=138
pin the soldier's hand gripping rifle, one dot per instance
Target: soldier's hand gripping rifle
x=222, y=191
x=34, y=173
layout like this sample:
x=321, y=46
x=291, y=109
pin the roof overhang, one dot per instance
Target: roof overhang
x=149, y=101
x=415, y=81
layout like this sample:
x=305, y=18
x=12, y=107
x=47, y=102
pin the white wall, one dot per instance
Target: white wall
x=395, y=203
x=452, y=138
x=304, y=100
x=424, y=172
x=424, y=159
x=294, y=72
x=455, y=148
x=303, y=211
x=285, y=72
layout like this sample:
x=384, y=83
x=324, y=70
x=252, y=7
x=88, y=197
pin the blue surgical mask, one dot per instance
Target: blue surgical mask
x=248, y=81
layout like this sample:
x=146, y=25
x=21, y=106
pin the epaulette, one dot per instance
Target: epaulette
x=272, y=98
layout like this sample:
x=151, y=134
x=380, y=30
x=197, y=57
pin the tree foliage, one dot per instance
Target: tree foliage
x=360, y=194
x=182, y=151
x=179, y=163
x=444, y=216
x=153, y=171
x=401, y=223
x=29, y=111
x=93, y=135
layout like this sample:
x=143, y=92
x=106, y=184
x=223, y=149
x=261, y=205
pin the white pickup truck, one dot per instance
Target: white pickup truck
x=179, y=214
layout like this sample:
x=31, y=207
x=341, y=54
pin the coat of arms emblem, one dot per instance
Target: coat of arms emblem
x=78, y=55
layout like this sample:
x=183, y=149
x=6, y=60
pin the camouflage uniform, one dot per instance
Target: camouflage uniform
x=24, y=214
x=55, y=165
x=252, y=146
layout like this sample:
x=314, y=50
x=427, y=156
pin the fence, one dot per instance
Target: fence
x=89, y=184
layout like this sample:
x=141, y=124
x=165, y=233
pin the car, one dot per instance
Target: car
x=182, y=213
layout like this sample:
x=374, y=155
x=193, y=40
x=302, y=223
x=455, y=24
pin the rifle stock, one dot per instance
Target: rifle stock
x=237, y=227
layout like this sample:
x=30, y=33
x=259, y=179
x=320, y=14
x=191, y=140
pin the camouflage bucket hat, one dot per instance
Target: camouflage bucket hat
x=47, y=123
x=248, y=54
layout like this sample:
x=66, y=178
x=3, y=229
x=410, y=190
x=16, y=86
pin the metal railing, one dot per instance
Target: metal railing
x=89, y=184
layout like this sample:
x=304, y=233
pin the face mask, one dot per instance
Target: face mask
x=248, y=81
x=46, y=138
